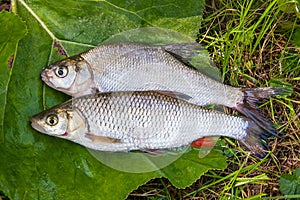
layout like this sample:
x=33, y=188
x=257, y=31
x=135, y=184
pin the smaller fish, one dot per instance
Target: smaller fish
x=143, y=120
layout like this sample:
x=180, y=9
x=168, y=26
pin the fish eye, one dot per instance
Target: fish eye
x=61, y=72
x=52, y=120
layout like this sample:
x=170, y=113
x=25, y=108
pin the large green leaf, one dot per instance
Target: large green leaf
x=36, y=166
x=12, y=30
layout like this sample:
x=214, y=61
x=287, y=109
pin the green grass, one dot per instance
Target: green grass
x=252, y=44
x=238, y=38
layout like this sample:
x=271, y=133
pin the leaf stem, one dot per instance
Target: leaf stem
x=77, y=43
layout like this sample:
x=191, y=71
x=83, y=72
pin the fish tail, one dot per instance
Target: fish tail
x=252, y=98
x=256, y=139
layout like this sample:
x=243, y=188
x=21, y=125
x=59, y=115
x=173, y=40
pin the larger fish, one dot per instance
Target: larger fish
x=141, y=120
x=131, y=67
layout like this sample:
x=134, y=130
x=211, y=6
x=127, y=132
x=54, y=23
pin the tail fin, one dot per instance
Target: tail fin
x=256, y=139
x=252, y=97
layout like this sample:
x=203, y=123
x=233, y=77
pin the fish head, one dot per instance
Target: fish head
x=52, y=122
x=60, y=122
x=71, y=75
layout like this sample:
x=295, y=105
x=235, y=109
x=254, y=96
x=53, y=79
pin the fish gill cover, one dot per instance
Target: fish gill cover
x=36, y=166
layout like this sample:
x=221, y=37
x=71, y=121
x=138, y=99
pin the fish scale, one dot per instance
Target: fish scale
x=115, y=73
x=153, y=113
x=140, y=67
x=141, y=120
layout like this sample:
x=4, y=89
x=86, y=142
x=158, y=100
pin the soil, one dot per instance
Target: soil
x=5, y=5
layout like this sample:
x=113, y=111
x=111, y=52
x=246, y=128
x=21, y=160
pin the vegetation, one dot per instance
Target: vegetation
x=254, y=44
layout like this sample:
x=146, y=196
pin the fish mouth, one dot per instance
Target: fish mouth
x=36, y=125
x=46, y=77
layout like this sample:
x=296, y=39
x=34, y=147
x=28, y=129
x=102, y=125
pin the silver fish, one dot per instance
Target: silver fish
x=142, y=120
x=136, y=67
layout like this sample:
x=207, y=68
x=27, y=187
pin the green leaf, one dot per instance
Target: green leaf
x=190, y=167
x=296, y=37
x=12, y=30
x=289, y=7
x=290, y=183
x=36, y=166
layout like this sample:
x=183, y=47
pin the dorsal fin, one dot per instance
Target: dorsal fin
x=184, y=52
x=194, y=56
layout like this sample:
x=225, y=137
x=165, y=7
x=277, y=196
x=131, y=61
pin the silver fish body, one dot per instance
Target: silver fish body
x=131, y=67
x=125, y=121
x=136, y=67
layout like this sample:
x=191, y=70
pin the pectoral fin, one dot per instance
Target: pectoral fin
x=96, y=138
x=174, y=94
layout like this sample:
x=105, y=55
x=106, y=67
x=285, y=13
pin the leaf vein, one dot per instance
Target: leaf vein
x=153, y=7
x=39, y=20
x=5, y=93
x=5, y=103
x=128, y=11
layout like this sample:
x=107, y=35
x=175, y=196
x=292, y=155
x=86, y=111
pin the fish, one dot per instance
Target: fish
x=125, y=121
x=137, y=67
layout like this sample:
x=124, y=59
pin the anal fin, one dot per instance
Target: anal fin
x=206, y=142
